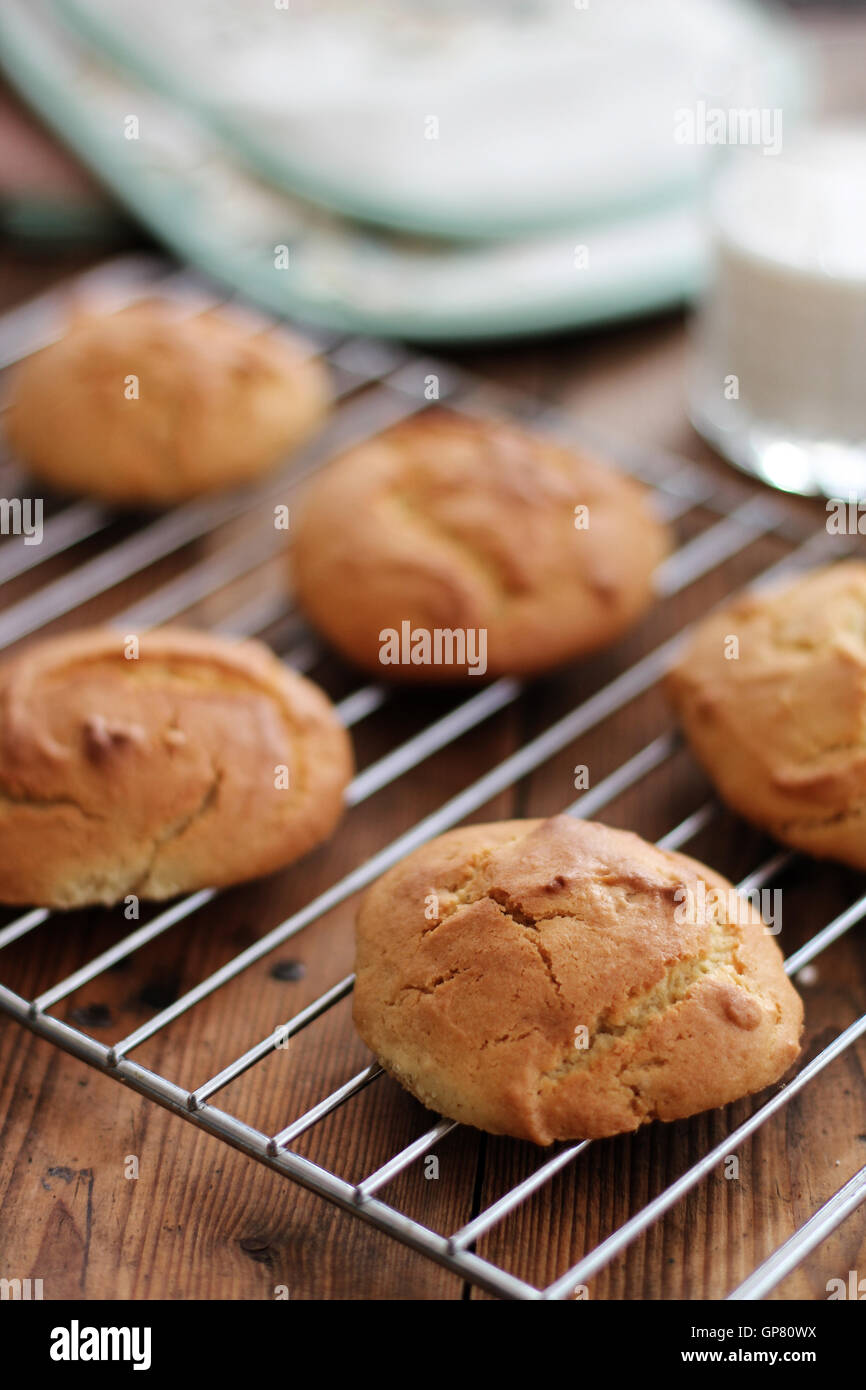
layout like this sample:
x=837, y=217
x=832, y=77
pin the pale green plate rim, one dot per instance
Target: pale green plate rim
x=300, y=181
x=27, y=64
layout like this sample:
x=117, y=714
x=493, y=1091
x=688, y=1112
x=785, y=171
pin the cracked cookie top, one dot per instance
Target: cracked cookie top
x=561, y=980
x=158, y=765
x=447, y=522
x=151, y=406
x=771, y=693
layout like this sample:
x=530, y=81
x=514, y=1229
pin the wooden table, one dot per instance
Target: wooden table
x=202, y=1221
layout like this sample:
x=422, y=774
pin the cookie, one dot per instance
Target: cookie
x=556, y=979
x=146, y=407
x=771, y=694
x=158, y=765
x=450, y=547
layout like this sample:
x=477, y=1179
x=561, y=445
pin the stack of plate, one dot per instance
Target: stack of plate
x=428, y=171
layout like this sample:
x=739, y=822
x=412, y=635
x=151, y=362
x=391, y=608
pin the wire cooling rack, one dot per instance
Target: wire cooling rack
x=379, y=384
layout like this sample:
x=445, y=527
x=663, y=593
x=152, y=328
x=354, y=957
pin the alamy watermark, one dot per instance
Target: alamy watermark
x=846, y=516
x=702, y=124
x=464, y=647
x=22, y=516
x=698, y=907
x=77, y=1343
x=853, y=1287
x=20, y=1290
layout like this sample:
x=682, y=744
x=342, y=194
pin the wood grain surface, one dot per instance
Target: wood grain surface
x=202, y=1221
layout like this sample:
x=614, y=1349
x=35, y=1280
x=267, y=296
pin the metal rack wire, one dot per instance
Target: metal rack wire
x=377, y=384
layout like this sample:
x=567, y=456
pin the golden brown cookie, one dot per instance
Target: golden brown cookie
x=771, y=693
x=560, y=980
x=198, y=763
x=471, y=531
x=146, y=406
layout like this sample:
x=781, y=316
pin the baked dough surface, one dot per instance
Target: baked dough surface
x=531, y=978
x=217, y=404
x=159, y=775
x=448, y=522
x=771, y=693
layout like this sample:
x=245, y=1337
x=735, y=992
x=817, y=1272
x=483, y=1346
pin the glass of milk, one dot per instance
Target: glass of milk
x=779, y=377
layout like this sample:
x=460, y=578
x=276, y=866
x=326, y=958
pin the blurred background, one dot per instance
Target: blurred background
x=414, y=170
x=507, y=173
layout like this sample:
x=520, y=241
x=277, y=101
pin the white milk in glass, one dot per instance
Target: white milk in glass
x=779, y=384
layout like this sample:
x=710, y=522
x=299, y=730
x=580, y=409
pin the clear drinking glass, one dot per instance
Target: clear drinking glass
x=778, y=383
